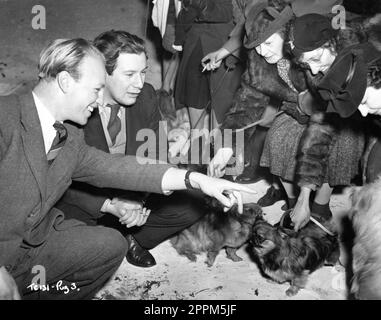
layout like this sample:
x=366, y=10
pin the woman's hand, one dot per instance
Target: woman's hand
x=214, y=59
x=301, y=213
x=218, y=164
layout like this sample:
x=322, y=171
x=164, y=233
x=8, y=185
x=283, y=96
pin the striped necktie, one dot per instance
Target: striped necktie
x=58, y=142
x=114, y=125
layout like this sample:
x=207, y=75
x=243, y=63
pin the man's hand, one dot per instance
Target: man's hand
x=8, y=287
x=120, y=207
x=218, y=164
x=214, y=59
x=134, y=218
x=300, y=215
x=228, y=193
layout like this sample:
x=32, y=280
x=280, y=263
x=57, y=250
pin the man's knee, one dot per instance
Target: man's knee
x=112, y=243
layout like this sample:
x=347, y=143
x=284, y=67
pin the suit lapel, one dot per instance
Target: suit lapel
x=33, y=141
x=94, y=134
x=61, y=164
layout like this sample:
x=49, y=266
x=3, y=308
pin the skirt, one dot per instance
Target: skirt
x=193, y=85
x=281, y=149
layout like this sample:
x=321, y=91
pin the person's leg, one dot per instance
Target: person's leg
x=73, y=212
x=253, y=151
x=82, y=257
x=169, y=215
x=320, y=205
x=289, y=188
x=197, y=118
x=170, y=67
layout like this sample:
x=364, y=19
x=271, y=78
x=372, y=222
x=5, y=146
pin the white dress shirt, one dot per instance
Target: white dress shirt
x=47, y=121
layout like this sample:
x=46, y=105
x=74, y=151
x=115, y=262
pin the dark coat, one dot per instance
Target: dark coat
x=82, y=197
x=313, y=156
x=261, y=87
x=371, y=162
x=212, y=29
x=29, y=187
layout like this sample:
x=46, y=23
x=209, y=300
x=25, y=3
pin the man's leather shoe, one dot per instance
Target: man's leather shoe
x=138, y=256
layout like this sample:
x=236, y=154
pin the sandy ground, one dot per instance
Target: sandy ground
x=174, y=277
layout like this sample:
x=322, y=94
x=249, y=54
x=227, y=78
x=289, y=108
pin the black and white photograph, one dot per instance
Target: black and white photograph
x=203, y=151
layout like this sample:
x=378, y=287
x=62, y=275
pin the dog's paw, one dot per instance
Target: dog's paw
x=191, y=256
x=209, y=263
x=211, y=257
x=292, y=291
x=234, y=258
x=231, y=253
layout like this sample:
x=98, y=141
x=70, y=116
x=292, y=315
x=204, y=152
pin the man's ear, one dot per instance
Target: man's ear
x=64, y=81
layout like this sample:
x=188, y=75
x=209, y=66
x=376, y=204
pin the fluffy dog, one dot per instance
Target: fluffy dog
x=216, y=230
x=366, y=220
x=288, y=256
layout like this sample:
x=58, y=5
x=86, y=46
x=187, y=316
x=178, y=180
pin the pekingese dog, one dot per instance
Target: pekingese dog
x=217, y=230
x=288, y=256
x=366, y=251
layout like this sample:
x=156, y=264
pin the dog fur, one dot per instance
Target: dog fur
x=217, y=230
x=288, y=256
x=366, y=221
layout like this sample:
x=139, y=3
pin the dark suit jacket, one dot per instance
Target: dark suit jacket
x=29, y=187
x=83, y=198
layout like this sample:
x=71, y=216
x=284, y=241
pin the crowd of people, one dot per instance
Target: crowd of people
x=69, y=147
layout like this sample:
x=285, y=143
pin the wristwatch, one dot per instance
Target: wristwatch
x=187, y=182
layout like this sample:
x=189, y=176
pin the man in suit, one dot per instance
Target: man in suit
x=126, y=65
x=39, y=157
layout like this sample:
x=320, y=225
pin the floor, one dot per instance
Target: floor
x=175, y=277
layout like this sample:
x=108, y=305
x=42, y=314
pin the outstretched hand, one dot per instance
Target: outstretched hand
x=217, y=165
x=228, y=193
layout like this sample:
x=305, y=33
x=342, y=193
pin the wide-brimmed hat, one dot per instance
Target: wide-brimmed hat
x=344, y=85
x=310, y=32
x=254, y=38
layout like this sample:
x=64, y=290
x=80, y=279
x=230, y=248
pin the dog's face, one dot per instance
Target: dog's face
x=266, y=237
x=251, y=212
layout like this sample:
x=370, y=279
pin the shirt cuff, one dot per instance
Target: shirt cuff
x=105, y=205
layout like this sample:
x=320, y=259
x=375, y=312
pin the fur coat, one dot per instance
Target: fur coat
x=318, y=137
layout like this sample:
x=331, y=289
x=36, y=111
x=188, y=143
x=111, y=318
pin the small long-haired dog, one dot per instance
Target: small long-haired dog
x=366, y=221
x=288, y=256
x=217, y=230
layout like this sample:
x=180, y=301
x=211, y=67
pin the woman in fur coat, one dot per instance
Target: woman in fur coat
x=340, y=92
x=282, y=141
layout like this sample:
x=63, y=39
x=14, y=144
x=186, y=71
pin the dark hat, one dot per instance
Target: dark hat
x=310, y=32
x=254, y=38
x=344, y=85
x=323, y=7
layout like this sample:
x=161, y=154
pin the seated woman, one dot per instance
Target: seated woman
x=282, y=141
x=322, y=55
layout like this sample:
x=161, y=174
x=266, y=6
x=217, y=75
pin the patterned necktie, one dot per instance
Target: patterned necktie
x=58, y=142
x=114, y=125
